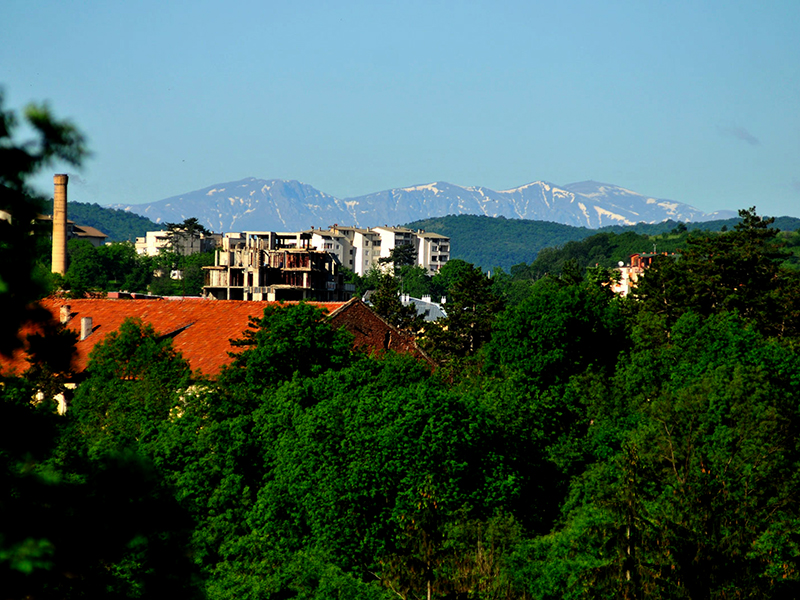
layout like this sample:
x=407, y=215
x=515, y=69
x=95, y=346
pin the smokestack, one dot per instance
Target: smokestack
x=60, y=224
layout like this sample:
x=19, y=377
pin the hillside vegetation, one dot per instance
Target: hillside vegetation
x=492, y=242
x=118, y=225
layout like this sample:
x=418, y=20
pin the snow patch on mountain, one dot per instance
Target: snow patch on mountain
x=418, y=188
x=602, y=214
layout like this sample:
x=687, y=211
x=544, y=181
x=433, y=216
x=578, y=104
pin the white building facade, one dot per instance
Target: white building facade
x=360, y=249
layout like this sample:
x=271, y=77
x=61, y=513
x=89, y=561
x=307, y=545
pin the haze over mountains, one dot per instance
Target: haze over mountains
x=285, y=205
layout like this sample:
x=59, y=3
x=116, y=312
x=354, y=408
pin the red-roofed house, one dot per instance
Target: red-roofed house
x=201, y=329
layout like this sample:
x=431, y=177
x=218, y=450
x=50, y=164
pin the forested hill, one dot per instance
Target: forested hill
x=118, y=225
x=491, y=242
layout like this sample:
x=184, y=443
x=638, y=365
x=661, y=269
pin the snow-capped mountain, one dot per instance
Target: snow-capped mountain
x=278, y=205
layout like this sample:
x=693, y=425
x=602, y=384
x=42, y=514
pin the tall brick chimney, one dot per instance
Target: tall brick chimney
x=60, y=224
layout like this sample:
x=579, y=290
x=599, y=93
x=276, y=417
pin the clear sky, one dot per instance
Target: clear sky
x=695, y=101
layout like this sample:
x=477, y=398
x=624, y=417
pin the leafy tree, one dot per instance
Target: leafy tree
x=109, y=267
x=86, y=271
x=189, y=266
x=386, y=303
x=414, y=280
x=61, y=534
x=50, y=352
x=55, y=141
x=697, y=496
x=182, y=234
x=400, y=256
x=471, y=308
x=109, y=529
x=451, y=271
x=289, y=341
x=355, y=279
x=738, y=271
x=136, y=381
x=379, y=464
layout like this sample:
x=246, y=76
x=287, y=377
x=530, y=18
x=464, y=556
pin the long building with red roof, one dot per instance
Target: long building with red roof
x=201, y=329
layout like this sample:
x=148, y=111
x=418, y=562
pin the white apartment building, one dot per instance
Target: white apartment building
x=360, y=249
x=155, y=241
x=354, y=248
x=433, y=250
x=334, y=243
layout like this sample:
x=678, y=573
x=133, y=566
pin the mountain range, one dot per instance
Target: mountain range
x=285, y=205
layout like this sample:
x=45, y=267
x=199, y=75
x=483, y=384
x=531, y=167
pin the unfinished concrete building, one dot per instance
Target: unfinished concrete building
x=265, y=265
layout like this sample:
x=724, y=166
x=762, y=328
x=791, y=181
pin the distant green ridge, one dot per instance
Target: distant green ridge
x=491, y=242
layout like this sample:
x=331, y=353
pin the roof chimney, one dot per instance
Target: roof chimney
x=60, y=224
x=65, y=314
x=86, y=327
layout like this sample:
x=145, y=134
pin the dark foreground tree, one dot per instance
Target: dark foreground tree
x=19, y=205
x=69, y=528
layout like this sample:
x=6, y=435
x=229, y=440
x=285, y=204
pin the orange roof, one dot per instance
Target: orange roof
x=204, y=327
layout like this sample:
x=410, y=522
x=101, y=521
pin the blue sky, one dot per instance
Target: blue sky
x=697, y=101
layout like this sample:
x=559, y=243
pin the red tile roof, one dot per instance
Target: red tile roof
x=204, y=327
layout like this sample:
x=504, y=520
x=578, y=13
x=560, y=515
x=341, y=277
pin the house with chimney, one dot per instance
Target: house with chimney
x=200, y=329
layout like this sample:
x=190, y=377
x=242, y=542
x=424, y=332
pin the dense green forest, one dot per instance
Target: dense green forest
x=569, y=443
x=118, y=225
x=492, y=242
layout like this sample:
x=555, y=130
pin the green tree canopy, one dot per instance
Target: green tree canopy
x=292, y=340
x=136, y=380
x=471, y=308
x=738, y=270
